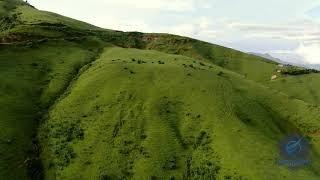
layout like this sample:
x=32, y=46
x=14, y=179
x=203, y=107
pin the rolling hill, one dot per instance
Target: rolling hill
x=82, y=102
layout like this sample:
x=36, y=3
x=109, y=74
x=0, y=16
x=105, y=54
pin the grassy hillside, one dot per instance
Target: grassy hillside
x=32, y=76
x=33, y=23
x=143, y=114
x=81, y=102
x=252, y=67
x=303, y=87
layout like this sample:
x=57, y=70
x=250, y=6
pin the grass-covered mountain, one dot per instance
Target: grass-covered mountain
x=81, y=102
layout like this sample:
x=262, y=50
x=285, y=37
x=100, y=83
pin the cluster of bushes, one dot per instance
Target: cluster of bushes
x=220, y=73
x=126, y=40
x=8, y=22
x=205, y=169
x=160, y=62
x=138, y=61
x=64, y=134
x=131, y=71
x=141, y=62
x=64, y=154
x=68, y=131
x=293, y=70
x=74, y=132
x=192, y=66
x=170, y=164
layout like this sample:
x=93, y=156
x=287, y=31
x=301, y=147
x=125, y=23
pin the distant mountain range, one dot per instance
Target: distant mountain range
x=268, y=56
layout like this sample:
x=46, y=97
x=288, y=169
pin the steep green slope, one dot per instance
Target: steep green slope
x=305, y=87
x=8, y=6
x=32, y=16
x=252, y=67
x=32, y=76
x=148, y=115
x=22, y=22
x=158, y=115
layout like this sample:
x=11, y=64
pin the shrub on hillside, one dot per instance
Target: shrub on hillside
x=220, y=73
x=293, y=70
x=141, y=62
x=202, y=64
x=8, y=22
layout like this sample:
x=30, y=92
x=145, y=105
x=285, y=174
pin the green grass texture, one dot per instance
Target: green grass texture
x=82, y=102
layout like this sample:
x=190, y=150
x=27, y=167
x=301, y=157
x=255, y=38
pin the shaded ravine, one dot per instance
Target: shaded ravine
x=35, y=166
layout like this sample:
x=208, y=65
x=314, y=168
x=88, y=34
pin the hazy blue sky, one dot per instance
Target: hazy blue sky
x=289, y=29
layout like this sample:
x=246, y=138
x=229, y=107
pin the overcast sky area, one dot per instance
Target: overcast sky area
x=287, y=29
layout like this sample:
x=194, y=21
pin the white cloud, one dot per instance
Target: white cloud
x=173, y=5
x=310, y=53
x=184, y=29
x=170, y=5
x=304, y=31
x=314, y=12
x=281, y=51
x=303, y=54
x=200, y=28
